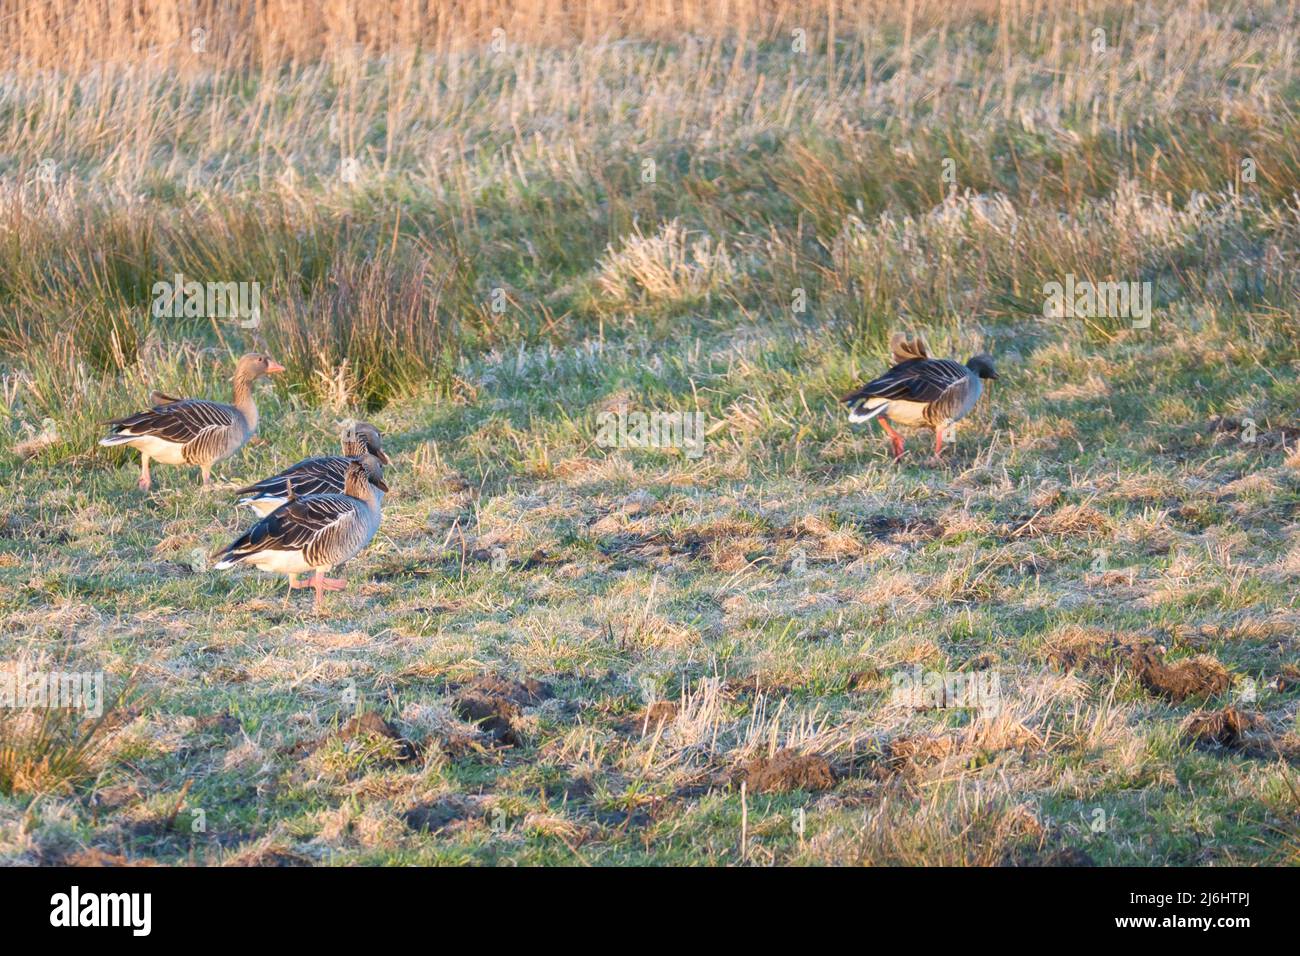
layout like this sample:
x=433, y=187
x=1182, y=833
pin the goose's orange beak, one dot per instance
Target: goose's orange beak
x=274, y=367
x=379, y=483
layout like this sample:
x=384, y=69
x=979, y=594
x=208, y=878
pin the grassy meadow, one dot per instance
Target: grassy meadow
x=482, y=226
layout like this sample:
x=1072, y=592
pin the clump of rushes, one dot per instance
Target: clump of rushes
x=47, y=750
x=373, y=328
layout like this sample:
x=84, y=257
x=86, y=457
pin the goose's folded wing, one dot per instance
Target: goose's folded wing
x=311, y=476
x=916, y=380
x=180, y=422
x=293, y=526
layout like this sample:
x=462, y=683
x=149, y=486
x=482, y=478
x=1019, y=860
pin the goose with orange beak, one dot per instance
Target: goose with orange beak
x=194, y=431
x=313, y=533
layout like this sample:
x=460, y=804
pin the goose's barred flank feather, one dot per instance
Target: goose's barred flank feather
x=326, y=529
x=311, y=476
x=180, y=421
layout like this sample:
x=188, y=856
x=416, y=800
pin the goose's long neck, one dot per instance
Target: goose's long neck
x=244, y=400
x=364, y=492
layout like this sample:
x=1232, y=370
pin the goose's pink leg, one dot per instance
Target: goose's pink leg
x=317, y=582
x=323, y=584
x=895, y=439
x=144, y=481
x=938, y=441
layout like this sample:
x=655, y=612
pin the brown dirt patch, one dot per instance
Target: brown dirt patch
x=865, y=681
x=909, y=755
x=222, y=723
x=495, y=716
x=1033, y=856
x=438, y=815
x=754, y=684
x=1079, y=647
x=539, y=558
x=649, y=719
x=1068, y=856
x=525, y=693
x=375, y=727
x=494, y=703
x=271, y=856
x=721, y=543
x=1267, y=436
x=900, y=528
x=1200, y=676
x=1230, y=729
x=784, y=771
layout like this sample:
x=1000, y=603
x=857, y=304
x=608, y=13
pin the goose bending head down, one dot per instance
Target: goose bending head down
x=920, y=391
x=320, y=475
x=312, y=533
x=194, y=431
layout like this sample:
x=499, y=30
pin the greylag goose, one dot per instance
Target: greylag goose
x=321, y=475
x=194, y=431
x=920, y=391
x=312, y=533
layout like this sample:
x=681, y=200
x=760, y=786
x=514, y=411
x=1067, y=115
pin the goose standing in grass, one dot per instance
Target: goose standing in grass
x=194, y=431
x=314, y=533
x=321, y=475
x=920, y=391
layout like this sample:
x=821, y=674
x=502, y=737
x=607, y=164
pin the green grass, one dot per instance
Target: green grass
x=654, y=575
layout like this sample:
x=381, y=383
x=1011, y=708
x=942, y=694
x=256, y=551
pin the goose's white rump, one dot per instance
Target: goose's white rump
x=159, y=449
x=275, y=561
x=903, y=412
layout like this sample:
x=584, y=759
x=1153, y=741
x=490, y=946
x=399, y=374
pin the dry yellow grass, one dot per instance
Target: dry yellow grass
x=71, y=35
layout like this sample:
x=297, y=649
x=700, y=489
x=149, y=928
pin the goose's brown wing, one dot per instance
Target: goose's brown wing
x=292, y=526
x=916, y=380
x=180, y=422
x=311, y=476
